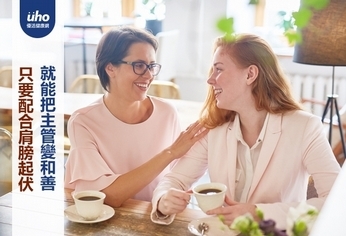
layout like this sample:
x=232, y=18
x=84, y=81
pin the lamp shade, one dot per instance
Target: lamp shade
x=324, y=38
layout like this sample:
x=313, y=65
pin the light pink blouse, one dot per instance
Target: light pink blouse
x=294, y=147
x=103, y=147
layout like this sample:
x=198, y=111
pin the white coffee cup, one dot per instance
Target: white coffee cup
x=210, y=195
x=89, y=203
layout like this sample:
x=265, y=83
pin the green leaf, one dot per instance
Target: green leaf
x=259, y=214
x=286, y=24
x=253, y=2
x=229, y=37
x=302, y=17
x=254, y=225
x=257, y=232
x=221, y=218
x=293, y=37
x=300, y=228
x=226, y=25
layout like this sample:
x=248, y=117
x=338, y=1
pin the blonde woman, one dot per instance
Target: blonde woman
x=261, y=144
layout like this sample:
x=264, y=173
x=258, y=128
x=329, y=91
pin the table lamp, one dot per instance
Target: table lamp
x=324, y=43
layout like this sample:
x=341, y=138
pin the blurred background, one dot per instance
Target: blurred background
x=187, y=28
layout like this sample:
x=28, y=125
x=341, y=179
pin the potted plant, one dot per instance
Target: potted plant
x=286, y=21
x=153, y=12
x=286, y=24
x=87, y=7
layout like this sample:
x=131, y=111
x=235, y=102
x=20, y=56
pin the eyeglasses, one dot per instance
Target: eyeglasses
x=140, y=67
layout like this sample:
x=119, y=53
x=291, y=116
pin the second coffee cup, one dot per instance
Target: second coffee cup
x=210, y=195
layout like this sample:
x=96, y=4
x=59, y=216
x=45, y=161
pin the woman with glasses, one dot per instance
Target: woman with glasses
x=124, y=143
x=261, y=144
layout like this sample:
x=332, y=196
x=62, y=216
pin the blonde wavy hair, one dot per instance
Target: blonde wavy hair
x=271, y=90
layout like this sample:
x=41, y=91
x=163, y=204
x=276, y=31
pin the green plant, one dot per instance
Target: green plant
x=303, y=16
x=299, y=19
x=87, y=7
x=286, y=21
x=253, y=2
x=299, y=223
x=225, y=25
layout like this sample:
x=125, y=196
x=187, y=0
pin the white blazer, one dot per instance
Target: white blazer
x=293, y=148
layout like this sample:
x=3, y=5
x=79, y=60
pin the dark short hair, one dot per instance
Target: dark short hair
x=114, y=46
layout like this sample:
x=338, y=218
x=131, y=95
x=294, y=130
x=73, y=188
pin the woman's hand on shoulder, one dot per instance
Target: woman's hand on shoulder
x=187, y=139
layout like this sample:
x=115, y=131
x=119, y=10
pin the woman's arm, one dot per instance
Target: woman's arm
x=128, y=184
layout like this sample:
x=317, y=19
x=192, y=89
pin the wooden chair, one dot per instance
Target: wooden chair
x=164, y=89
x=5, y=161
x=86, y=84
x=6, y=76
x=82, y=84
x=311, y=192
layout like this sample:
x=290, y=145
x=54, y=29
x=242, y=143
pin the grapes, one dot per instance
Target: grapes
x=268, y=228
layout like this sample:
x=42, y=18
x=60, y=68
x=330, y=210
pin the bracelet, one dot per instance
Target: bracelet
x=168, y=151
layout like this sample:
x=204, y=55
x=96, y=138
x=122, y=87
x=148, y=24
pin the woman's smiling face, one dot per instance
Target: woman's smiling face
x=228, y=81
x=128, y=84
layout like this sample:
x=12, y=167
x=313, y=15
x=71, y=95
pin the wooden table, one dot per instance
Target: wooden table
x=133, y=218
x=40, y=215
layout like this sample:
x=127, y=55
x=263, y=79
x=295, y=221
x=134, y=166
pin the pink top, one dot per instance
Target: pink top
x=103, y=147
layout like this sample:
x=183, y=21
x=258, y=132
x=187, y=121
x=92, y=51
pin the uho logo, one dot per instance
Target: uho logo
x=37, y=17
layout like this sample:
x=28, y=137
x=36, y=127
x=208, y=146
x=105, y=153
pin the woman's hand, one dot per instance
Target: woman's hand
x=187, y=139
x=233, y=210
x=173, y=202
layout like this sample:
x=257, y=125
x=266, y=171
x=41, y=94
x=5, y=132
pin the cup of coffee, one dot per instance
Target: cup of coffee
x=210, y=195
x=89, y=203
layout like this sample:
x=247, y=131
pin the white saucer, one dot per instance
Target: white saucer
x=72, y=215
x=216, y=227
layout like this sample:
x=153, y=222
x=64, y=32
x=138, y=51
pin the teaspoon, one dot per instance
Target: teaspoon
x=203, y=227
x=75, y=216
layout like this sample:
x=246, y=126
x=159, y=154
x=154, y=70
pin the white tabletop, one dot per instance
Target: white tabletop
x=5, y=98
x=331, y=219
